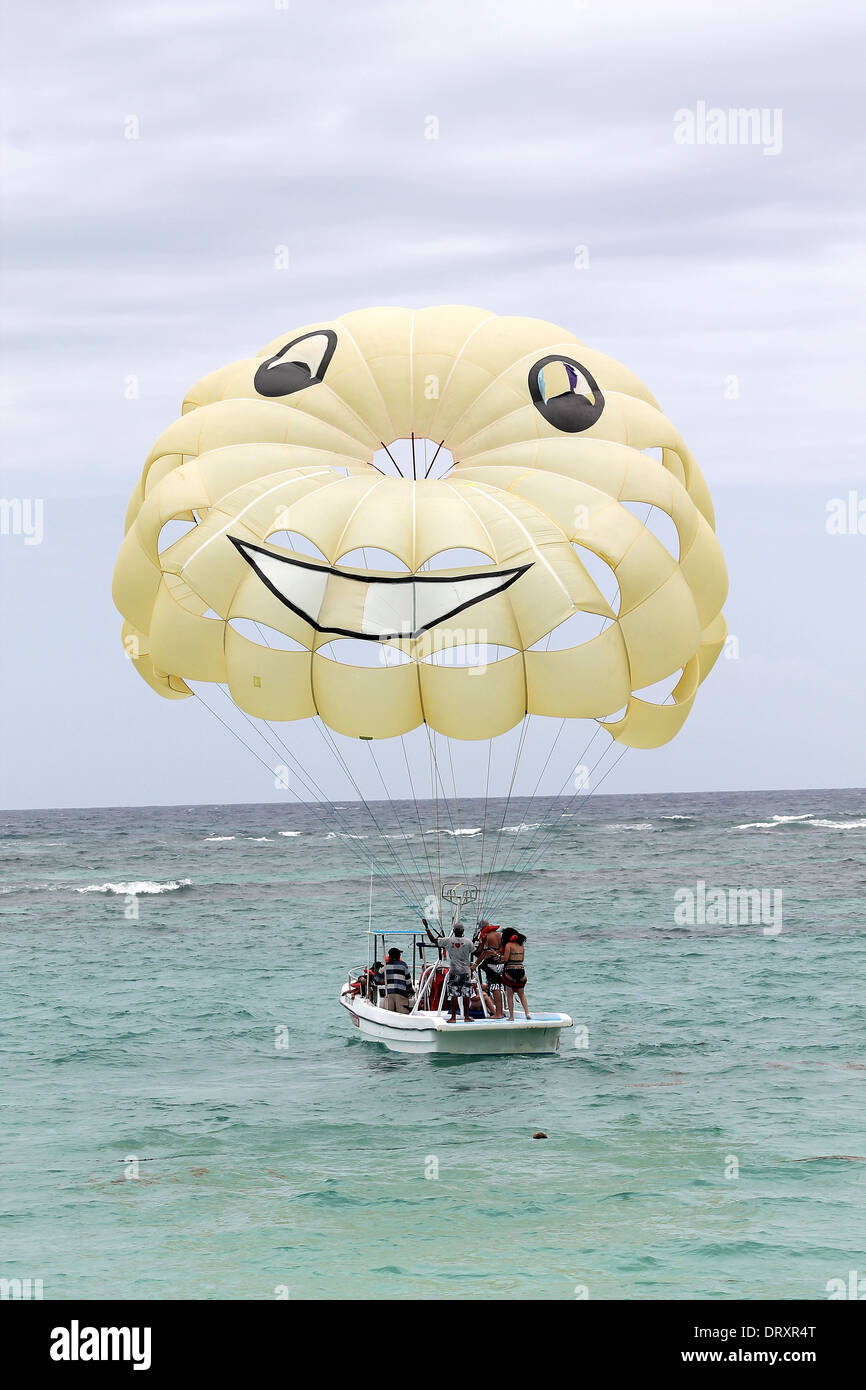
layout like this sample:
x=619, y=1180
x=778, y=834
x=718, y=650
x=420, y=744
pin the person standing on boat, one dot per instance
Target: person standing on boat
x=489, y=958
x=396, y=981
x=458, y=982
x=513, y=973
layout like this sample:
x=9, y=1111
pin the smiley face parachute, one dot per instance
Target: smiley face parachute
x=440, y=521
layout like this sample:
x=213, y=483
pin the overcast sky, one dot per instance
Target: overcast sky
x=729, y=277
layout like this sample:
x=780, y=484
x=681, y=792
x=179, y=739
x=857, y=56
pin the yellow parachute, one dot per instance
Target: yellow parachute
x=525, y=449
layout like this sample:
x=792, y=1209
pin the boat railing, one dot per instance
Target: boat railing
x=357, y=978
x=423, y=988
x=425, y=984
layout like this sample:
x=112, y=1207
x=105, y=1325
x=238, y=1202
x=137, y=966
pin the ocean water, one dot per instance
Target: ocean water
x=187, y=1112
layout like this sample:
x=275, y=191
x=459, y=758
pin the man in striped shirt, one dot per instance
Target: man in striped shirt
x=395, y=980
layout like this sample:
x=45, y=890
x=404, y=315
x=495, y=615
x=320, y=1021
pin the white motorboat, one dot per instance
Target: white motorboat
x=427, y=1027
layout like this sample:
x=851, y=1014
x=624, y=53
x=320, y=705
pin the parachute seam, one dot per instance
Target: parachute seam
x=585, y=434
x=284, y=482
x=532, y=545
x=471, y=509
x=532, y=473
x=411, y=378
x=217, y=407
x=421, y=705
x=311, y=415
x=333, y=482
x=331, y=392
x=349, y=334
x=516, y=362
x=351, y=517
x=460, y=352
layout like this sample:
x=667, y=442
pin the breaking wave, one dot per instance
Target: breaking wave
x=136, y=888
x=816, y=822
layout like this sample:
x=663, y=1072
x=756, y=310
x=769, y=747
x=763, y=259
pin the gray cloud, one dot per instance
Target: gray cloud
x=305, y=127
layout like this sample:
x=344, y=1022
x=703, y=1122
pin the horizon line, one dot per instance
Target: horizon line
x=384, y=801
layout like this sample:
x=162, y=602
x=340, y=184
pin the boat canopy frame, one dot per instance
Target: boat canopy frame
x=457, y=893
x=423, y=973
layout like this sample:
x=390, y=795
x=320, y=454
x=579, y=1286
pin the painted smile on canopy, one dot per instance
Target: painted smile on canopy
x=352, y=603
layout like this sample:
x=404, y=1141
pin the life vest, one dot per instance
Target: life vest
x=436, y=984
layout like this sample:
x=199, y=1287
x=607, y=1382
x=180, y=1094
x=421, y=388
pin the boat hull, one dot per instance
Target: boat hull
x=429, y=1033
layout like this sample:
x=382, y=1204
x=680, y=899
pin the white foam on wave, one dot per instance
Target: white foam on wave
x=260, y=839
x=839, y=824
x=518, y=829
x=631, y=825
x=443, y=830
x=137, y=888
x=289, y=834
x=215, y=839
x=775, y=822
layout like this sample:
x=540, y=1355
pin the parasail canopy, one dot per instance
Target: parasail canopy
x=522, y=501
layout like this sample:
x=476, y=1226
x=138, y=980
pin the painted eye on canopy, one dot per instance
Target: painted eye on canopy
x=565, y=394
x=301, y=363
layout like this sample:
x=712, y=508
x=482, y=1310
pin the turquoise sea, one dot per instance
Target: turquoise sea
x=170, y=1010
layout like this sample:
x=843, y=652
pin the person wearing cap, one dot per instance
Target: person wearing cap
x=395, y=981
x=458, y=982
x=489, y=958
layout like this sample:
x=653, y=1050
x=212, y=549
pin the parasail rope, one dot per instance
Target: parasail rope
x=434, y=791
x=325, y=732
x=435, y=456
x=310, y=782
x=515, y=848
x=438, y=785
x=458, y=835
x=544, y=831
x=319, y=796
x=418, y=869
x=344, y=765
x=576, y=799
x=457, y=838
x=486, y=803
x=417, y=814
x=396, y=887
x=528, y=868
x=400, y=473
x=322, y=795
x=483, y=890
